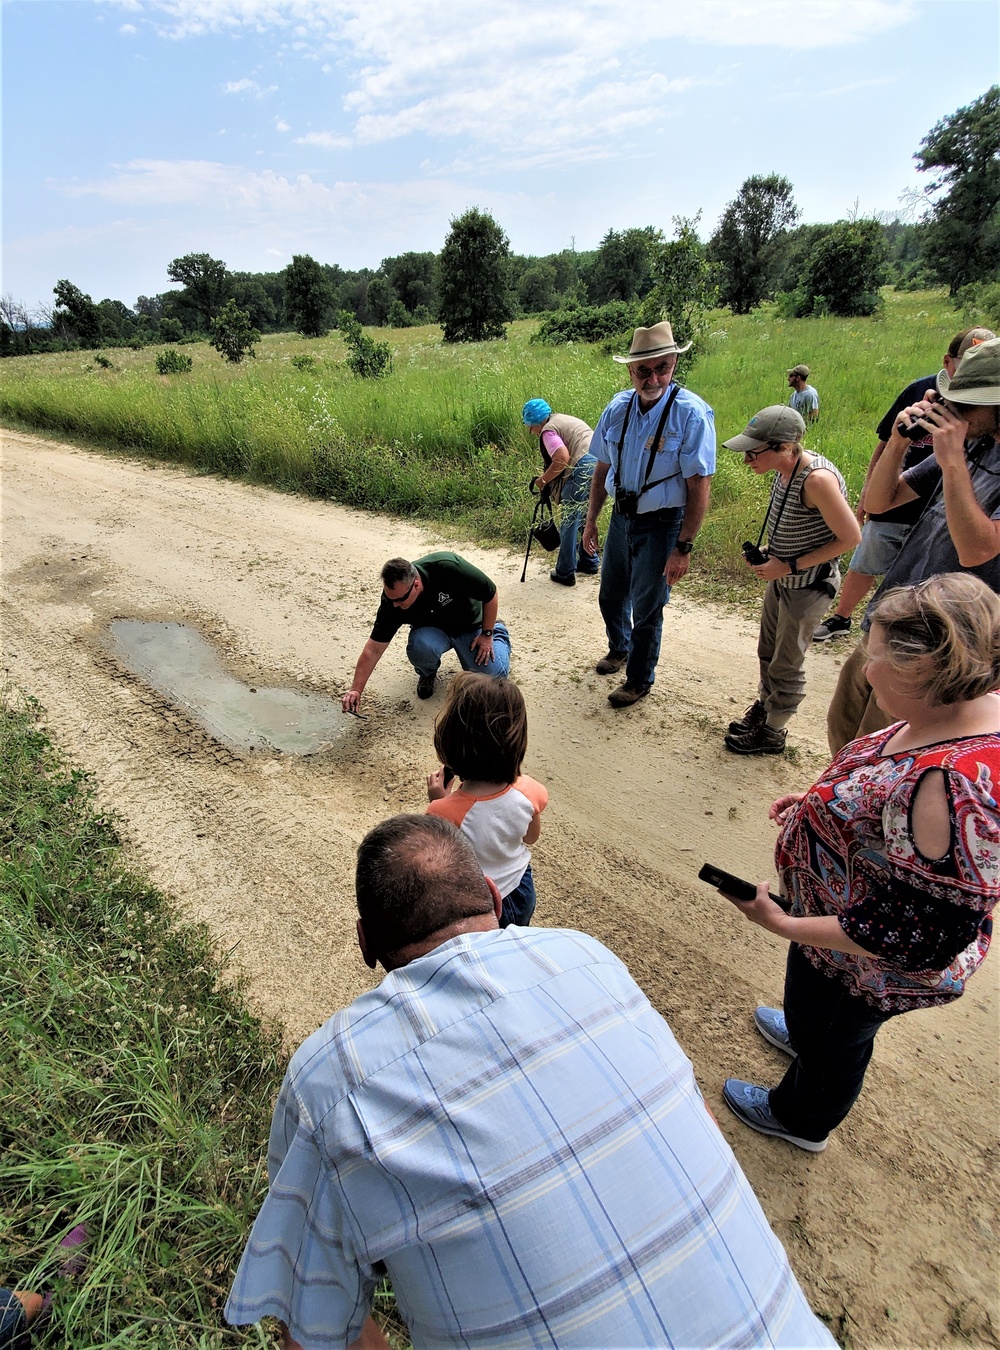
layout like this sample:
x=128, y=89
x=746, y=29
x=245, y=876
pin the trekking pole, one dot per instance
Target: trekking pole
x=531, y=535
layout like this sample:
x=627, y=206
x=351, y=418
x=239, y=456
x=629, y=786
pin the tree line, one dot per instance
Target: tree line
x=759, y=251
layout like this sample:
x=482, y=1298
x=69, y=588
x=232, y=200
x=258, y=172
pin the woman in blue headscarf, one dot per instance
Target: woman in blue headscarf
x=568, y=468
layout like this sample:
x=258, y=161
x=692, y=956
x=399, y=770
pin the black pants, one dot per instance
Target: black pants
x=832, y=1033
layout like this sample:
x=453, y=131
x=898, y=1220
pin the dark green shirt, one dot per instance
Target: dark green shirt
x=452, y=599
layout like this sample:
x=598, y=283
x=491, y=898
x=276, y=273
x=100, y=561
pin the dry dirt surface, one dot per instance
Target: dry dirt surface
x=893, y=1230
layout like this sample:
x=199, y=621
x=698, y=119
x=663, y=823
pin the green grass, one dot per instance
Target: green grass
x=441, y=438
x=135, y=1085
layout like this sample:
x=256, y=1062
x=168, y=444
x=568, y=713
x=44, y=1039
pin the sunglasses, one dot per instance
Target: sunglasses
x=756, y=454
x=647, y=372
x=402, y=599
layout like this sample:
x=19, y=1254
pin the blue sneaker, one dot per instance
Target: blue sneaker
x=770, y=1022
x=749, y=1104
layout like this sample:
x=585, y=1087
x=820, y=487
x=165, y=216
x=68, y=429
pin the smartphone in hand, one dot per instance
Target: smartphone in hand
x=741, y=890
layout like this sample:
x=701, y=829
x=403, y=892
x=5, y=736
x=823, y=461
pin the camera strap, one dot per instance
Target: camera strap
x=781, y=508
x=654, y=448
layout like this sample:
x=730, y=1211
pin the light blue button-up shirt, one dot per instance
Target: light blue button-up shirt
x=686, y=451
x=509, y=1126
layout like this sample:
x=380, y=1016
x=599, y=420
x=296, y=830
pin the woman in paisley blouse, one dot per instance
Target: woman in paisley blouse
x=891, y=860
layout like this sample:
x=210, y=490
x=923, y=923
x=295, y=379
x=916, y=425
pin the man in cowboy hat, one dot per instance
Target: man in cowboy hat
x=655, y=451
x=959, y=527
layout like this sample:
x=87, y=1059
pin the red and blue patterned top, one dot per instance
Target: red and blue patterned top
x=847, y=849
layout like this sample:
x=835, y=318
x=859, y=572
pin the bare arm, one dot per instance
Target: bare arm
x=876, y=456
x=371, y=655
x=884, y=487
x=557, y=464
x=534, y=829
x=822, y=492
x=598, y=496
x=699, y=490
x=819, y=931
x=483, y=645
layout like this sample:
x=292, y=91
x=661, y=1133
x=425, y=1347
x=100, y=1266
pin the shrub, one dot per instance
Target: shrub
x=367, y=358
x=232, y=334
x=591, y=323
x=980, y=302
x=172, y=362
x=845, y=269
x=304, y=362
x=101, y=360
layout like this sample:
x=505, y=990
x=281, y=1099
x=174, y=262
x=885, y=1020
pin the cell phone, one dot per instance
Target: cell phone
x=735, y=886
x=446, y=774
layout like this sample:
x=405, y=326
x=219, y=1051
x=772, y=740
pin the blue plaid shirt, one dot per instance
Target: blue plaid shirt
x=512, y=1130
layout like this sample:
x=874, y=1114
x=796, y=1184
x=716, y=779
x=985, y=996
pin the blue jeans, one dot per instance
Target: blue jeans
x=575, y=495
x=832, y=1032
x=14, y=1334
x=426, y=646
x=634, y=589
x=519, y=904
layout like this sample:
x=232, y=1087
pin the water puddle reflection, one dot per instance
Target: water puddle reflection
x=179, y=664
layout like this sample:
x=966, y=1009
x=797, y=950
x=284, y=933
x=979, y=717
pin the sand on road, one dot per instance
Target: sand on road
x=894, y=1229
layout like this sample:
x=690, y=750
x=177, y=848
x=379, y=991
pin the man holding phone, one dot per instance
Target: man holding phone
x=959, y=527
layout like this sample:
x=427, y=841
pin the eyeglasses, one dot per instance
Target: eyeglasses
x=756, y=454
x=402, y=599
x=661, y=371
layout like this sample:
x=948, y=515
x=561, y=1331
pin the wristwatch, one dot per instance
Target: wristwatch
x=486, y=632
x=684, y=545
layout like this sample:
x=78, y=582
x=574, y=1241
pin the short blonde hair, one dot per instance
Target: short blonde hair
x=944, y=635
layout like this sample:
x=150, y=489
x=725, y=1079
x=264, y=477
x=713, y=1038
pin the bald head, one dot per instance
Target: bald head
x=416, y=876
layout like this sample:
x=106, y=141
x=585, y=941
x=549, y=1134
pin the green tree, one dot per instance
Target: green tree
x=76, y=314
x=308, y=295
x=475, y=294
x=962, y=237
x=685, y=284
x=232, y=334
x=380, y=298
x=366, y=357
x=206, y=285
x=413, y=277
x=745, y=244
x=845, y=270
x=537, y=288
x=622, y=268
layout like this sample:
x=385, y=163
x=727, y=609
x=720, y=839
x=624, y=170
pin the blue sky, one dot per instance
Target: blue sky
x=139, y=130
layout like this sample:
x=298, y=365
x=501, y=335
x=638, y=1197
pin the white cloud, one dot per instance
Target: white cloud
x=521, y=79
x=129, y=29
x=328, y=140
x=281, y=125
x=246, y=86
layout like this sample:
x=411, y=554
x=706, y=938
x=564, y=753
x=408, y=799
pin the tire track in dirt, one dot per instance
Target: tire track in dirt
x=898, y=1214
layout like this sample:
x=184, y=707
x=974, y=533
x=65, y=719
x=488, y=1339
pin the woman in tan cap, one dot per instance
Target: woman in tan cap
x=808, y=524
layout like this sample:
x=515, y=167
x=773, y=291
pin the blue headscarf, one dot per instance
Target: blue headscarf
x=534, y=411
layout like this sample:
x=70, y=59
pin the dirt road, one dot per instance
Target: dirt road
x=893, y=1230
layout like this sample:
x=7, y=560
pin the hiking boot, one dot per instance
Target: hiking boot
x=590, y=568
x=626, y=694
x=770, y=1022
x=612, y=663
x=755, y=716
x=832, y=627
x=561, y=580
x=425, y=686
x=760, y=740
x=750, y=1104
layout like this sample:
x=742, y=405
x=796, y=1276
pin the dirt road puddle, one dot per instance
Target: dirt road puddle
x=179, y=664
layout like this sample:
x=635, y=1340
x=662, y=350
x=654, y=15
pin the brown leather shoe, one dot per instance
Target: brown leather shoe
x=612, y=663
x=627, y=694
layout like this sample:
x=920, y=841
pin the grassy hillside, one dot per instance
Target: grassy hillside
x=441, y=438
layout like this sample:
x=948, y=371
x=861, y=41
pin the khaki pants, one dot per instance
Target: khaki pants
x=853, y=711
x=787, y=623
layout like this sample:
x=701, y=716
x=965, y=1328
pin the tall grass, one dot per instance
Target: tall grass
x=442, y=438
x=135, y=1085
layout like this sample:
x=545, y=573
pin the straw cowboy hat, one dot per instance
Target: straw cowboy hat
x=649, y=343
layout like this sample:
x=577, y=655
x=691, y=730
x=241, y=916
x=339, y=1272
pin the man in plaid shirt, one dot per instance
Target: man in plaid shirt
x=509, y=1130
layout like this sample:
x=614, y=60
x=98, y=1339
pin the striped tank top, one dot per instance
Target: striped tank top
x=795, y=529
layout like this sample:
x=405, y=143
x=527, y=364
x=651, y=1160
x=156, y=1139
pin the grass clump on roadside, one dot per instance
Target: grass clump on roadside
x=441, y=438
x=135, y=1084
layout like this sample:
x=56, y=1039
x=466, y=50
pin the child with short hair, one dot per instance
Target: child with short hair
x=481, y=735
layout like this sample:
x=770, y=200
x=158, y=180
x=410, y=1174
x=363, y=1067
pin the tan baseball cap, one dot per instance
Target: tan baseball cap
x=776, y=423
x=799, y=370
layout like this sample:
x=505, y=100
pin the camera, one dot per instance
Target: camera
x=627, y=503
x=752, y=553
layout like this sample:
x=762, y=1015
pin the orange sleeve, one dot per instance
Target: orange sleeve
x=454, y=807
x=535, y=793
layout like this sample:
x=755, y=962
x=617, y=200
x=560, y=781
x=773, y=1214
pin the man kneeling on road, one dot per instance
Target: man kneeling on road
x=508, y=1129
x=448, y=603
